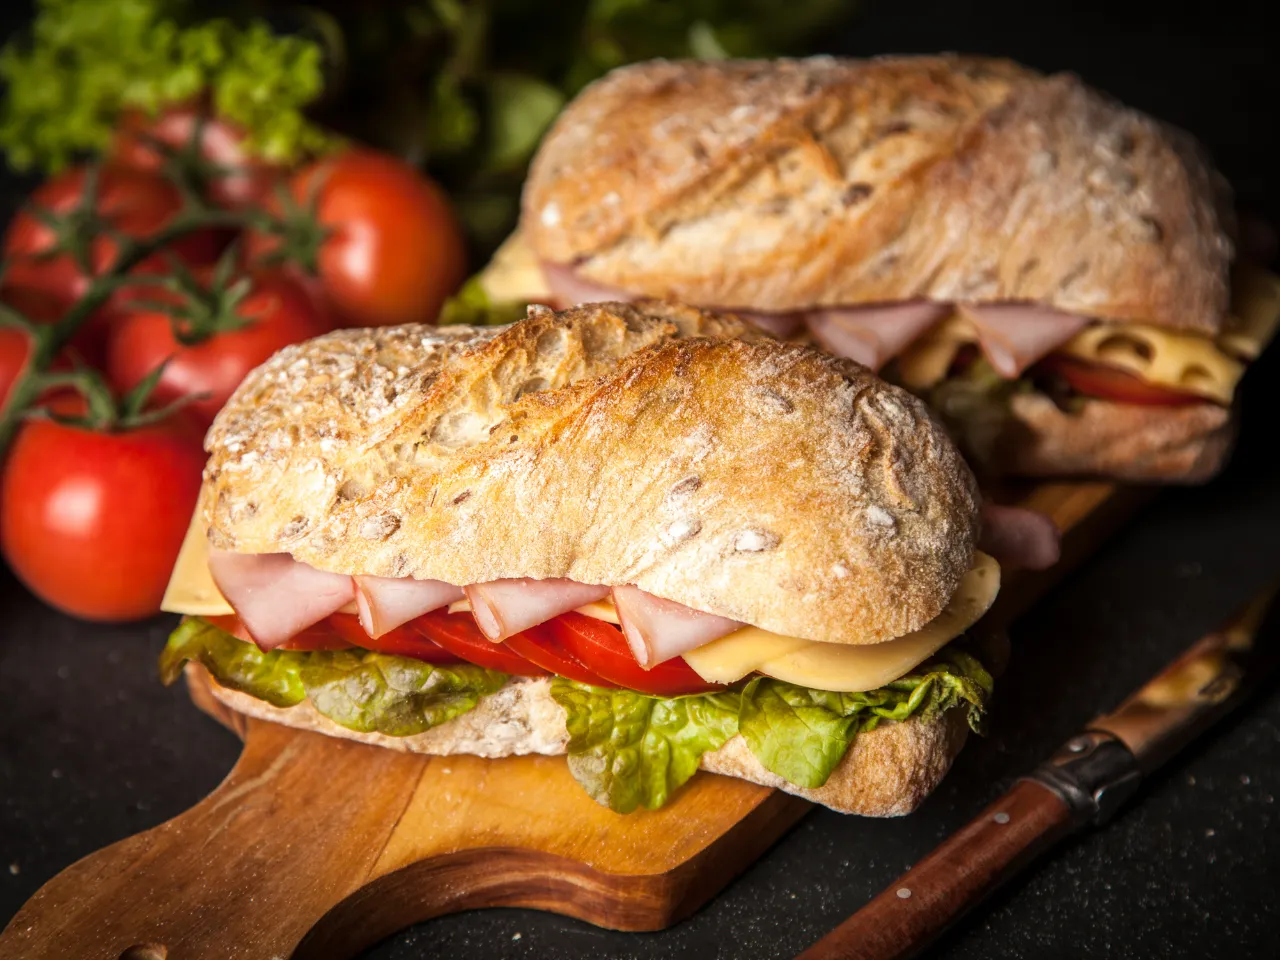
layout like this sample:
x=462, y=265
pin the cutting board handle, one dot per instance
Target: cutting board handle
x=256, y=864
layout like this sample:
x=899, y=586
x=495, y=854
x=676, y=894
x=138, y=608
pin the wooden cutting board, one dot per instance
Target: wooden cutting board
x=316, y=847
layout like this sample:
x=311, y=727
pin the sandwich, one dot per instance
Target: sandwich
x=1054, y=272
x=639, y=534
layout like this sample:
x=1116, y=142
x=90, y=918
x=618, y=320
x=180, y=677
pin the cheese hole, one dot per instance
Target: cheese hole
x=1121, y=346
x=1197, y=377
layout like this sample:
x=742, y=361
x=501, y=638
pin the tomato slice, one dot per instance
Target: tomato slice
x=539, y=645
x=603, y=647
x=400, y=642
x=320, y=636
x=1118, y=386
x=458, y=633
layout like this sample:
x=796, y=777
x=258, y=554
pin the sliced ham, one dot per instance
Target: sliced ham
x=1019, y=538
x=873, y=335
x=568, y=287
x=1016, y=335
x=658, y=629
x=780, y=325
x=505, y=607
x=385, y=603
x=274, y=595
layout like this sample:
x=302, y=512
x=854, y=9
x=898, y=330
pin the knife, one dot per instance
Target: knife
x=1084, y=783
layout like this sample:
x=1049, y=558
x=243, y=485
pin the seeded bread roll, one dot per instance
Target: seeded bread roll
x=788, y=184
x=612, y=444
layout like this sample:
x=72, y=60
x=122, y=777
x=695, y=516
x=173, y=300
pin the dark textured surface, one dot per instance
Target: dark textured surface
x=93, y=748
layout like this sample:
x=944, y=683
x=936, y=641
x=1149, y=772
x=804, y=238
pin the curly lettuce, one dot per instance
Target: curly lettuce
x=626, y=749
x=358, y=689
x=87, y=61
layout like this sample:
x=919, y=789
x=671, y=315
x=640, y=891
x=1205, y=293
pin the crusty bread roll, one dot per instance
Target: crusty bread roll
x=645, y=444
x=1139, y=444
x=887, y=772
x=784, y=185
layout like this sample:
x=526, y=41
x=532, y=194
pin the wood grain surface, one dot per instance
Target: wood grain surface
x=316, y=847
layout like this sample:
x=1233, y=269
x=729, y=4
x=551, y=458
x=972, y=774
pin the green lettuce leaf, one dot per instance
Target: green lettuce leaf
x=472, y=305
x=629, y=750
x=358, y=689
x=398, y=696
x=272, y=676
x=802, y=734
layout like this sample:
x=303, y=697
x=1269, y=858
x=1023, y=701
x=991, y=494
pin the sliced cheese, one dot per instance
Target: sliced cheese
x=848, y=668
x=1255, y=313
x=191, y=589
x=601, y=610
x=1183, y=361
x=927, y=360
x=514, y=274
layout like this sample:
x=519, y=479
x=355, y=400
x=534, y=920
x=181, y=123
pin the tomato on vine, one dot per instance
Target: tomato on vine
x=92, y=514
x=380, y=236
x=67, y=235
x=210, y=150
x=211, y=338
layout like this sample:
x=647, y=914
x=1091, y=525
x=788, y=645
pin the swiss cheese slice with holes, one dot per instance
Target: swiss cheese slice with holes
x=1181, y=361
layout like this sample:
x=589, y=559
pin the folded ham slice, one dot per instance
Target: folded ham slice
x=780, y=325
x=385, y=603
x=568, y=287
x=873, y=335
x=1019, y=538
x=657, y=629
x=1016, y=335
x=274, y=595
x=505, y=607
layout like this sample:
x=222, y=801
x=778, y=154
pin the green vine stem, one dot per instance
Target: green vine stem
x=48, y=339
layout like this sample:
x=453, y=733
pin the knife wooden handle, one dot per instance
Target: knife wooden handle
x=909, y=914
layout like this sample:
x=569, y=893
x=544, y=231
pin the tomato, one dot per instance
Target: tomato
x=248, y=182
x=604, y=649
x=132, y=203
x=92, y=522
x=395, y=252
x=279, y=312
x=538, y=645
x=15, y=348
x=400, y=642
x=1119, y=386
x=458, y=633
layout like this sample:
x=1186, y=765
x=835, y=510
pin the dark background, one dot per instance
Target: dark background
x=92, y=748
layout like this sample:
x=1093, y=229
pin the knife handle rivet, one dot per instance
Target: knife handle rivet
x=1001, y=817
x=904, y=893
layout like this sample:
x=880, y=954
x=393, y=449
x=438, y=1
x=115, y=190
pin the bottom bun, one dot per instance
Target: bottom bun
x=1127, y=442
x=886, y=773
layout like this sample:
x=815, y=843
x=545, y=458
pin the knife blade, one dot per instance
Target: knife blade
x=1083, y=783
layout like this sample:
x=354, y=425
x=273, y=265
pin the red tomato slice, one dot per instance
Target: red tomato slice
x=458, y=633
x=603, y=647
x=400, y=642
x=320, y=636
x=538, y=645
x=1118, y=386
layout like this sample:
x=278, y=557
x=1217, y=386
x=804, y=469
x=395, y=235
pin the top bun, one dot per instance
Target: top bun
x=789, y=184
x=612, y=443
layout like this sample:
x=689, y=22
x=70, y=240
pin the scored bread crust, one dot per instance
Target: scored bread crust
x=644, y=443
x=788, y=184
x=887, y=771
x=1139, y=444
